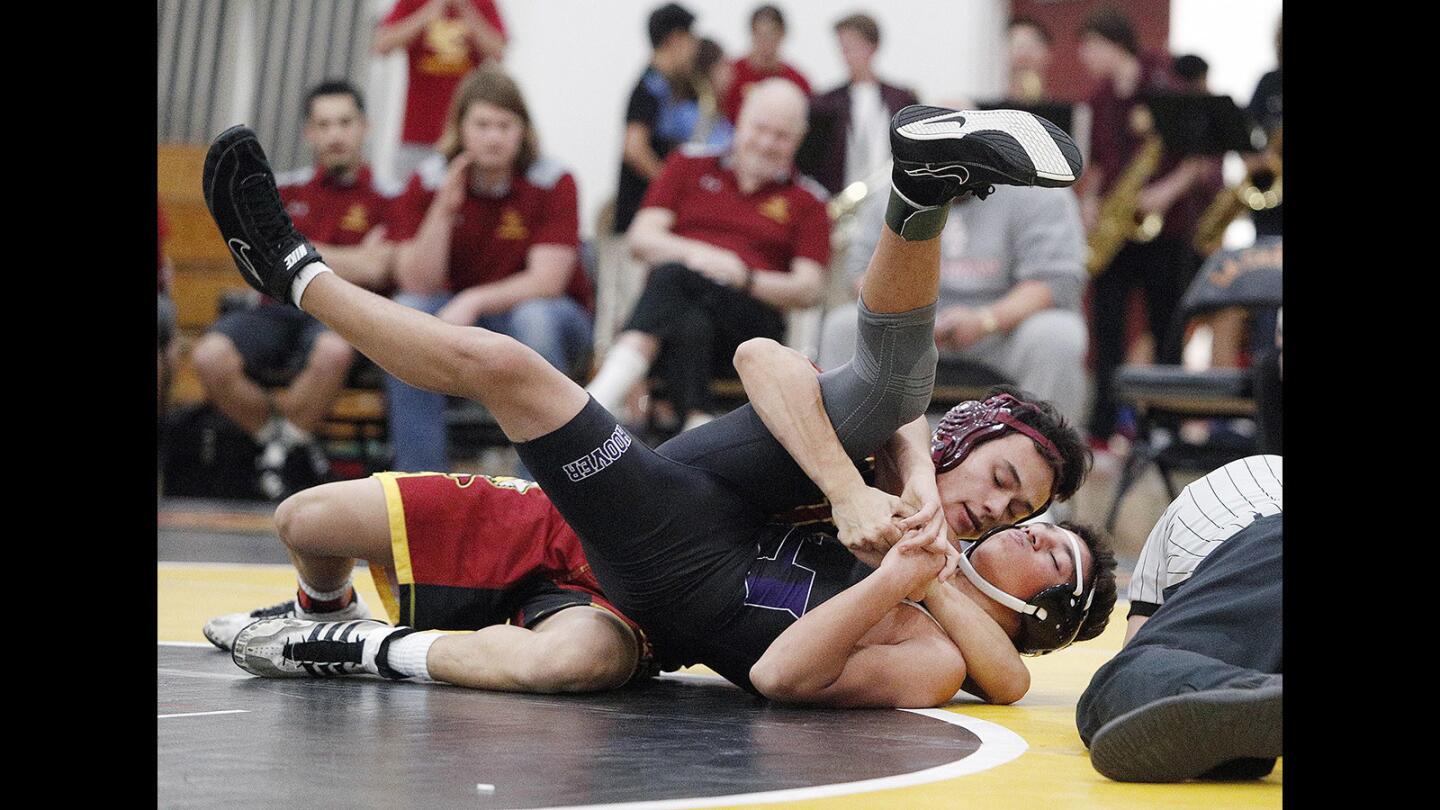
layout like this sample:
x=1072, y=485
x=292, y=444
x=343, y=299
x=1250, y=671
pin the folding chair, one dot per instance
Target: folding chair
x=1166, y=395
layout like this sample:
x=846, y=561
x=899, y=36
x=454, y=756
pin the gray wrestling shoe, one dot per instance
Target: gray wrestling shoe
x=1233, y=733
x=221, y=630
x=295, y=648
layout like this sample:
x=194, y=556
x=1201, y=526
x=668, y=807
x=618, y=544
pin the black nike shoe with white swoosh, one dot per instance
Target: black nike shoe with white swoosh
x=941, y=153
x=241, y=195
x=295, y=648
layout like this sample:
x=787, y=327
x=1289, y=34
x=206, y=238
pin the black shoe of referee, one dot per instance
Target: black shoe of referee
x=241, y=195
x=941, y=153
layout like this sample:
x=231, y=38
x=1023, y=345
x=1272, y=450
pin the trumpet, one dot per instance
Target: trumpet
x=1261, y=190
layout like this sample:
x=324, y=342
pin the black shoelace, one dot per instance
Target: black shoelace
x=262, y=200
x=324, y=652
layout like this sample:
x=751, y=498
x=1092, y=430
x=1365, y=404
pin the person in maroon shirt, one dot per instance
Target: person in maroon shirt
x=443, y=41
x=335, y=203
x=1177, y=191
x=767, y=31
x=491, y=238
x=733, y=239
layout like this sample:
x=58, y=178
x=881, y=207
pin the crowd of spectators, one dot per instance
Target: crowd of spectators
x=709, y=199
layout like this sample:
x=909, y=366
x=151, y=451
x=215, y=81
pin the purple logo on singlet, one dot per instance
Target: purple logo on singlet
x=599, y=458
x=779, y=581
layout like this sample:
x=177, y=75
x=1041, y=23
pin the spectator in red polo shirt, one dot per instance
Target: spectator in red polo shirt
x=734, y=238
x=491, y=239
x=443, y=41
x=335, y=203
x=767, y=31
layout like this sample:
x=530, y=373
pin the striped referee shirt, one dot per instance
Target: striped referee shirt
x=1207, y=513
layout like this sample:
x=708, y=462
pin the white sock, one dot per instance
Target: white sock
x=624, y=367
x=302, y=280
x=323, y=596
x=406, y=655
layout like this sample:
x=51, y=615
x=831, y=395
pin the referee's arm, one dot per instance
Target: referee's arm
x=1147, y=584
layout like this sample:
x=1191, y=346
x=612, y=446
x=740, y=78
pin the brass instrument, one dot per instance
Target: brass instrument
x=1261, y=190
x=1120, y=220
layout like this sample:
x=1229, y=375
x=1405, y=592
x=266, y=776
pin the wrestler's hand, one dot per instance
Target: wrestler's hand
x=927, y=524
x=866, y=518
x=913, y=565
x=922, y=494
x=938, y=545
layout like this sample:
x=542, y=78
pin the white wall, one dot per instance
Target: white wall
x=578, y=60
x=1236, y=37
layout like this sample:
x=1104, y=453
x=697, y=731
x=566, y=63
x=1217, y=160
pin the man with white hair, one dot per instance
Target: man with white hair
x=733, y=239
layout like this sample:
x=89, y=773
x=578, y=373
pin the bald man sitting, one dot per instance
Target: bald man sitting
x=733, y=238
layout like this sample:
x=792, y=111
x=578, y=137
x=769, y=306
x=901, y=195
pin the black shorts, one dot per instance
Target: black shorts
x=679, y=550
x=273, y=339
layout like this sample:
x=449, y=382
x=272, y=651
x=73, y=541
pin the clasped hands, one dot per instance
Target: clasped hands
x=907, y=534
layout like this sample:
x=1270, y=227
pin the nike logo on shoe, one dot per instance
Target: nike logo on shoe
x=241, y=251
x=959, y=173
x=295, y=255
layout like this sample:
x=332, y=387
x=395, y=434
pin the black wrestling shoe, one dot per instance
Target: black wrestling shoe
x=1233, y=733
x=295, y=648
x=241, y=195
x=941, y=153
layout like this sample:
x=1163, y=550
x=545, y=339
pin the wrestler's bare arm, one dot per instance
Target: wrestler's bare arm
x=990, y=657
x=836, y=656
x=785, y=392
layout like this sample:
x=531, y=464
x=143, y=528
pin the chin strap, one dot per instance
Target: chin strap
x=1014, y=603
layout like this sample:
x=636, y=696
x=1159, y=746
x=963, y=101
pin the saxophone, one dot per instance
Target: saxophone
x=1261, y=190
x=1120, y=220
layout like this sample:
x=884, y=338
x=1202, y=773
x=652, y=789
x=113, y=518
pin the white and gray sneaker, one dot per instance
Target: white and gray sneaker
x=221, y=630
x=294, y=647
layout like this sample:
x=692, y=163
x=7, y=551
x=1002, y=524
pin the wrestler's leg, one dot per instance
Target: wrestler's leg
x=527, y=396
x=574, y=650
x=326, y=528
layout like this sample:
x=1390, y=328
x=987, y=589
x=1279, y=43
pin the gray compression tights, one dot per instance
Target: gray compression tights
x=887, y=383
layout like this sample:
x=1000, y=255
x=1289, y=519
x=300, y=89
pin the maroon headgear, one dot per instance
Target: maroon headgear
x=972, y=422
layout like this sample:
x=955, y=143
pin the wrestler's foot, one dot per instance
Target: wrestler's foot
x=241, y=195
x=295, y=648
x=1215, y=733
x=941, y=153
x=221, y=630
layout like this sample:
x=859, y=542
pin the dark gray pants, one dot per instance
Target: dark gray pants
x=1221, y=627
